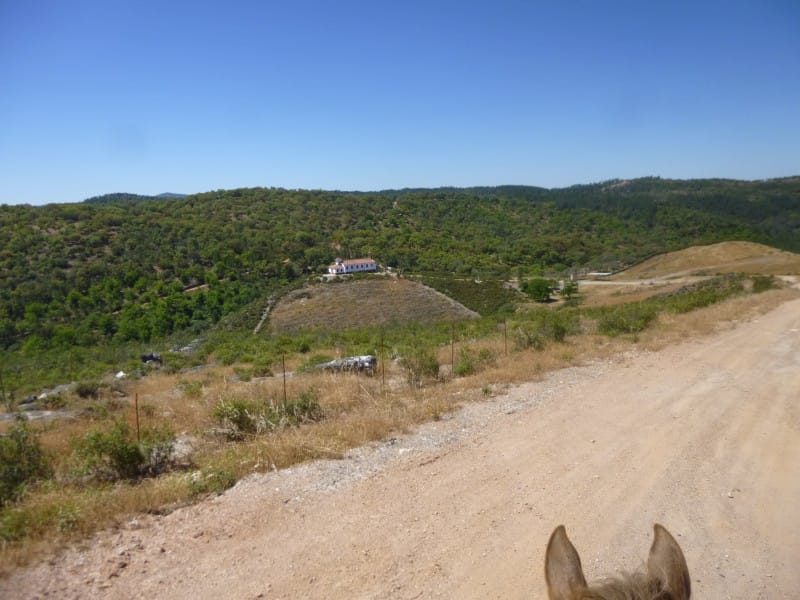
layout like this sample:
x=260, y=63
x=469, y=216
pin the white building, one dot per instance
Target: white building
x=356, y=265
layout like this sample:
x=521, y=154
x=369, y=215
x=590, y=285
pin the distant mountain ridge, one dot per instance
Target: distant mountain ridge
x=122, y=198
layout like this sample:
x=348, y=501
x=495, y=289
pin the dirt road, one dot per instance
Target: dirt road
x=703, y=437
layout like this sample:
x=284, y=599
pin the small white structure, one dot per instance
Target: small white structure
x=356, y=265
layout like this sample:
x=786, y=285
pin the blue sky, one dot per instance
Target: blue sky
x=149, y=97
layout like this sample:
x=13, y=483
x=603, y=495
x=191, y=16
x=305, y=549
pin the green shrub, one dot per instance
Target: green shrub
x=419, y=363
x=192, y=389
x=528, y=335
x=243, y=373
x=486, y=355
x=14, y=524
x=545, y=325
x=211, y=481
x=626, y=319
x=762, y=283
x=470, y=362
x=158, y=446
x=240, y=416
x=556, y=326
x=247, y=417
x=175, y=362
x=21, y=461
x=305, y=409
x=87, y=389
x=465, y=365
x=539, y=289
x=262, y=368
x=115, y=454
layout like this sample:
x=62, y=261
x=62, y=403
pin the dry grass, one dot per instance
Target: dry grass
x=670, y=328
x=363, y=303
x=611, y=293
x=725, y=257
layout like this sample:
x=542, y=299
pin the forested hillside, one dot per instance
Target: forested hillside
x=127, y=269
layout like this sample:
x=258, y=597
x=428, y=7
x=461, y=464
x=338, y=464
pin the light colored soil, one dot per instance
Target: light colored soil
x=725, y=257
x=380, y=300
x=703, y=437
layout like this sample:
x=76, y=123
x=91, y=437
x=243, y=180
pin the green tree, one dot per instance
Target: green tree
x=539, y=289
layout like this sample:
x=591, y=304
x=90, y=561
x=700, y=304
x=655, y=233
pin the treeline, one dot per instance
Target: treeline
x=119, y=198
x=125, y=269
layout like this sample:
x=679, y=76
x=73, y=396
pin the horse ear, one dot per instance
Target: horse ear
x=667, y=564
x=562, y=567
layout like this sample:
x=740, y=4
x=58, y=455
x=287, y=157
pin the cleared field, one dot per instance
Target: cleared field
x=725, y=257
x=364, y=303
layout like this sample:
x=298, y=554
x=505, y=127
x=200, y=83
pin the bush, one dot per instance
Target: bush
x=243, y=373
x=262, y=368
x=465, y=365
x=240, y=416
x=247, y=417
x=762, y=283
x=21, y=461
x=192, y=389
x=305, y=409
x=528, y=335
x=115, y=454
x=543, y=326
x=419, y=363
x=470, y=362
x=211, y=481
x=628, y=318
x=539, y=289
x=87, y=389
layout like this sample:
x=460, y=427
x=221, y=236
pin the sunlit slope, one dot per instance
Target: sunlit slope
x=725, y=257
x=365, y=303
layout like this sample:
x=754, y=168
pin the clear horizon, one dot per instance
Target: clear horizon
x=185, y=97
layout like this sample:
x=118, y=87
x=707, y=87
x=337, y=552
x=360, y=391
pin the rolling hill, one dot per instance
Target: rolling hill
x=365, y=303
x=724, y=257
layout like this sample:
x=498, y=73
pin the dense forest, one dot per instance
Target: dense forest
x=123, y=268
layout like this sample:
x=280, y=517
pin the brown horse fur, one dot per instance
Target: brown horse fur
x=666, y=578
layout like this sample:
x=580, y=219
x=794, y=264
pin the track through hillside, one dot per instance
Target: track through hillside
x=703, y=437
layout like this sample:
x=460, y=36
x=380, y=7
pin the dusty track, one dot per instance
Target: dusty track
x=703, y=437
